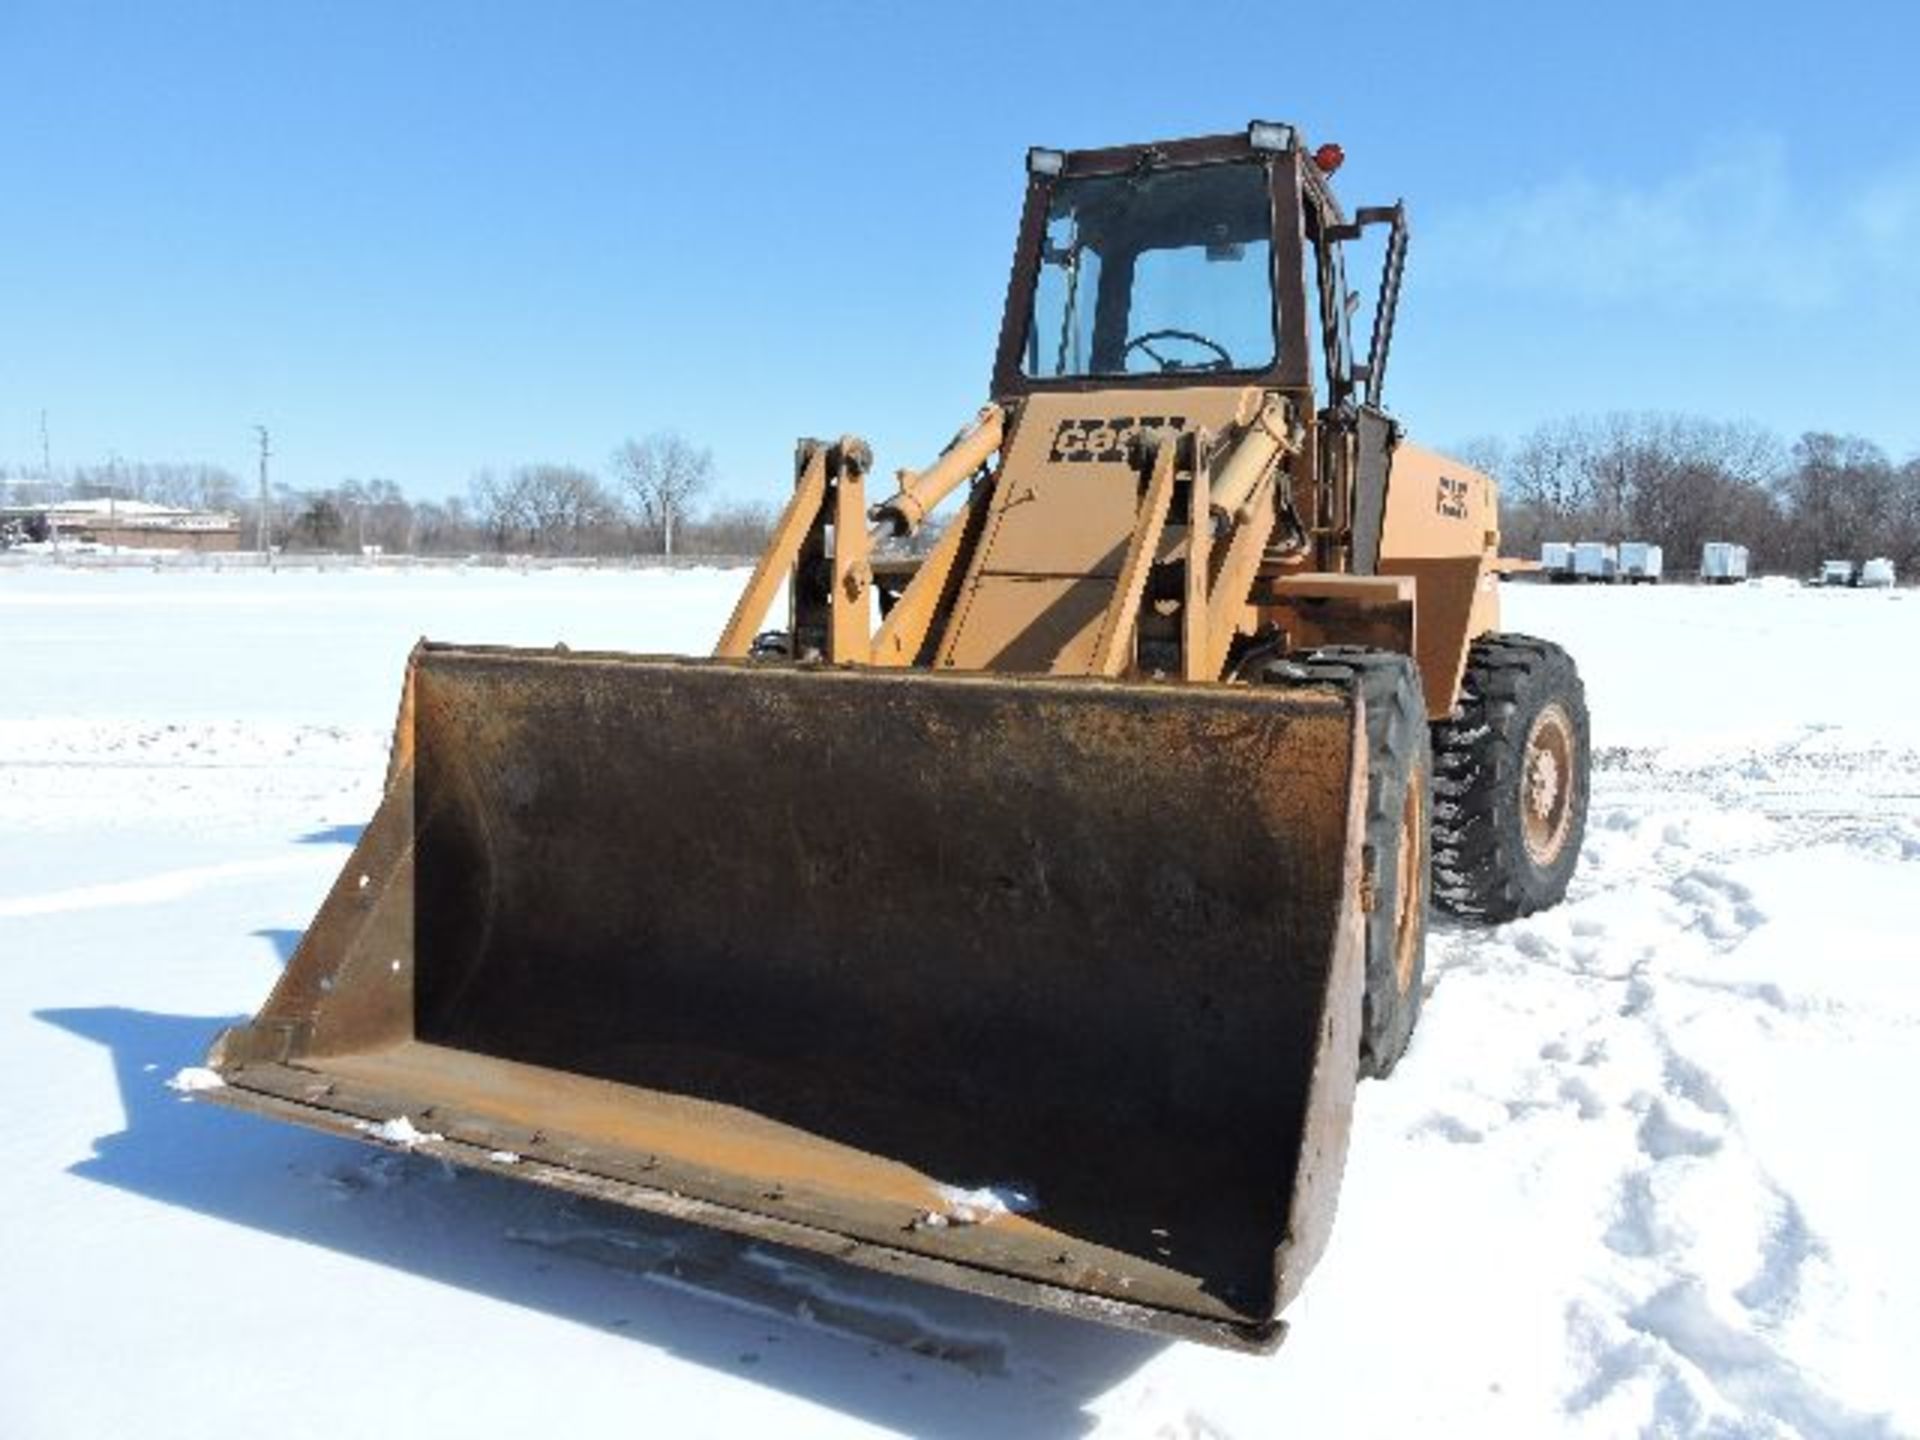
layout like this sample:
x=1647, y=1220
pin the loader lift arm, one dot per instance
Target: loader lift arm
x=1232, y=492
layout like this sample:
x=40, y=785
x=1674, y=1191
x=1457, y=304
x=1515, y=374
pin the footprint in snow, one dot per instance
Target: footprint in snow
x=1535, y=946
x=1451, y=1128
x=1581, y=1096
x=1662, y=1137
x=1789, y=1248
x=1720, y=908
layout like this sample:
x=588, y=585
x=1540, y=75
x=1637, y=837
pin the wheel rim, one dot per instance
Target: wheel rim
x=1413, y=857
x=1546, y=784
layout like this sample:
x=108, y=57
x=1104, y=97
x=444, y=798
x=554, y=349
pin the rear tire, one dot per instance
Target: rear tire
x=1395, y=859
x=1511, y=780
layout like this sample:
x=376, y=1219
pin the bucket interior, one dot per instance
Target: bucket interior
x=819, y=942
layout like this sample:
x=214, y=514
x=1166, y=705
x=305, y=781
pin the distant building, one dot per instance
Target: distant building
x=1641, y=563
x=131, y=524
x=1594, y=560
x=1723, y=563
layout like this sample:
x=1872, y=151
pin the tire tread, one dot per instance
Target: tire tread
x=1481, y=870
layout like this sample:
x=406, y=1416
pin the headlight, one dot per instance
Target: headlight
x=1270, y=135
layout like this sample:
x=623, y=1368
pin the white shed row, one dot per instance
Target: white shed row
x=1632, y=562
x=1635, y=562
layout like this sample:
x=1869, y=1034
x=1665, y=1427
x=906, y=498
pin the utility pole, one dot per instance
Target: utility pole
x=46, y=480
x=263, y=533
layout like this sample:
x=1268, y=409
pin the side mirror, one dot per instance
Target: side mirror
x=1373, y=374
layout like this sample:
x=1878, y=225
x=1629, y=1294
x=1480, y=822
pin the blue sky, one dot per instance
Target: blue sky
x=416, y=239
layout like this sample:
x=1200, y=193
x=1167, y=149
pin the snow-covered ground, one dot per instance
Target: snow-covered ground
x=1649, y=1167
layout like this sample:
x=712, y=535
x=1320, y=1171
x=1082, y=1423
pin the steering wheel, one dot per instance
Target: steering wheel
x=1144, y=341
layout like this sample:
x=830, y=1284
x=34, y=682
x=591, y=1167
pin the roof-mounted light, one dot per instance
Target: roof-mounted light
x=1041, y=161
x=1329, y=158
x=1270, y=135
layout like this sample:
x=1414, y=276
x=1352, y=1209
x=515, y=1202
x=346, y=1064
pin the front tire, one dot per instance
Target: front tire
x=1395, y=855
x=1511, y=781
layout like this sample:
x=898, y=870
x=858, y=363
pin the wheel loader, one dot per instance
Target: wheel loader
x=1017, y=907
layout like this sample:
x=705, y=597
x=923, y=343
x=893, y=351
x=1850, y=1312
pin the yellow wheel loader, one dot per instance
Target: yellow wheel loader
x=1019, y=913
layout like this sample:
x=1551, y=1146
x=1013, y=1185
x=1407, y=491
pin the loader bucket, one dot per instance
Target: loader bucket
x=804, y=953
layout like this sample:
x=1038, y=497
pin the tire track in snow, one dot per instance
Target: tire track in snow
x=1684, y=1329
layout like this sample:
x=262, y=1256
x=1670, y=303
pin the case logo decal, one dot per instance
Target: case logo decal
x=1105, y=439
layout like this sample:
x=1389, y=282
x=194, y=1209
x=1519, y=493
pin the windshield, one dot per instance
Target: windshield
x=1154, y=273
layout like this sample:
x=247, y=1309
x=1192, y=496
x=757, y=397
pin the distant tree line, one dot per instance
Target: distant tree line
x=188, y=486
x=1679, y=481
x=1674, y=480
x=649, y=501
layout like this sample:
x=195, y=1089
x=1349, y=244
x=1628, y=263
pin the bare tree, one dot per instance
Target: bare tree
x=663, y=472
x=443, y=528
x=1844, y=497
x=555, y=509
x=738, y=529
x=317, y=523
x=1903, y=531
x=1675, y=480
x=569, y=506
x=495, y=510
x=187, y=486
x=374, y=513
x=1548, y=470
x=1485, y=453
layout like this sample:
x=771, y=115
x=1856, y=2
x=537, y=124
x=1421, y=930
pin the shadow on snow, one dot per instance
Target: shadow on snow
x=826, y=1332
